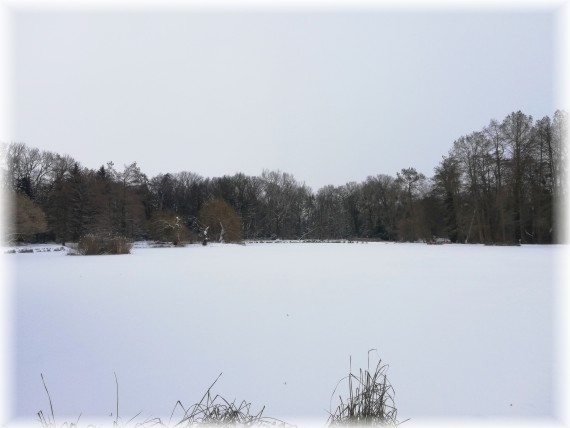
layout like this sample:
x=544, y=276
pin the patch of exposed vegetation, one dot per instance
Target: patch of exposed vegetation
x=92, y=244
x=370, y=399
x=211, y=410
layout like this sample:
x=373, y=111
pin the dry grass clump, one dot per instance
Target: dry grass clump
x=210, y=411
x=92, y=244
x=217, y=411
x=370, y=400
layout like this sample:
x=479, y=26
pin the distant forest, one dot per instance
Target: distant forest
x=498, y=185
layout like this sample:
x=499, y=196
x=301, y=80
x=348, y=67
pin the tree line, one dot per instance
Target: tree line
x=501, y=184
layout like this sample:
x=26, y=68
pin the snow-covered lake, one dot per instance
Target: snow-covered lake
x=468, y=331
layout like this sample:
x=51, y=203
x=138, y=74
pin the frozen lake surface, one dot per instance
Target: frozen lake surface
x=468, y=331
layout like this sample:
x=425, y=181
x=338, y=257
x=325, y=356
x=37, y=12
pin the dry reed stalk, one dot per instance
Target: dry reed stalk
x=370, y=399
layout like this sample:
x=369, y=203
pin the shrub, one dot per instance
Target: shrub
x=221, y=221
x=26, y=218
x=170, y=228
x=370, y=400
x=92, y=244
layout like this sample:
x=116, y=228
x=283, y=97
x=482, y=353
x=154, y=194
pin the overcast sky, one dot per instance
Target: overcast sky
x=330, y=97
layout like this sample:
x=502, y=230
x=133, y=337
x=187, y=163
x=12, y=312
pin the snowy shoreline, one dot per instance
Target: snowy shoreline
x=55, y=247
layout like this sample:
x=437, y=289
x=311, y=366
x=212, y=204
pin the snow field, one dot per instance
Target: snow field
x=468, y=331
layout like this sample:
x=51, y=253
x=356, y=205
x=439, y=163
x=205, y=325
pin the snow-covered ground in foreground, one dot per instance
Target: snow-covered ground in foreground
x=468, y=331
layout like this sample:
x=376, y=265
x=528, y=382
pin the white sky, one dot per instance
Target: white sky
x=329, y=95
